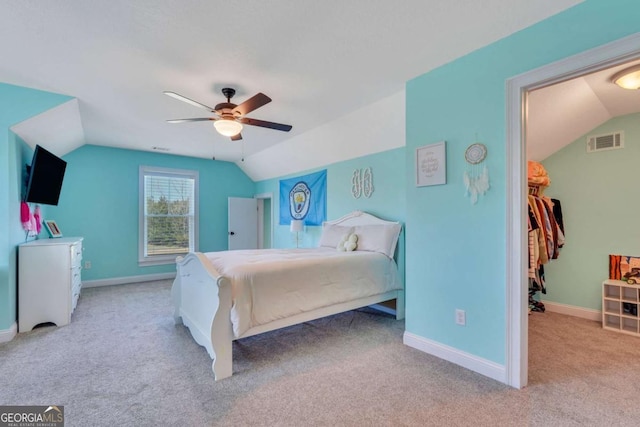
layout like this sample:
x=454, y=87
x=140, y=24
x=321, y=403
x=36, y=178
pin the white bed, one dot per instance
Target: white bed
x=228, y=295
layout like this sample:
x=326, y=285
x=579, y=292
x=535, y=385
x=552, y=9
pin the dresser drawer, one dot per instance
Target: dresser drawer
x=76, y=255
x=74, y=300
x=76, y=286
x=76, y=278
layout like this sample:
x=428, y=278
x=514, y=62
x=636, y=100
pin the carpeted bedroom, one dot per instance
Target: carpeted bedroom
x=123, y=361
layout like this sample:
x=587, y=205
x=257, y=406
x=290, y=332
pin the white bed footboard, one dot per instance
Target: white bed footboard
x=202, y=301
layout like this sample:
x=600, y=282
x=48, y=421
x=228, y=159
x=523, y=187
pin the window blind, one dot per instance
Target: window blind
x=169, y=214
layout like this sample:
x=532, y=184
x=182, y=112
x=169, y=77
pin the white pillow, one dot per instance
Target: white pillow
x=378, y=238
x=332, y=234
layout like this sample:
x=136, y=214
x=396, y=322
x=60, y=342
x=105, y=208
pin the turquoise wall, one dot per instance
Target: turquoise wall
x=598, y=192
x=387, y=201
x=455, y=250
x=99, y=201
x=16, y=105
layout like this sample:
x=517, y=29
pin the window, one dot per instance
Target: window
x=168, y=214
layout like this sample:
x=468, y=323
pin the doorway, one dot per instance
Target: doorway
x=609, y=55
x=250, y=222
x=265, y=220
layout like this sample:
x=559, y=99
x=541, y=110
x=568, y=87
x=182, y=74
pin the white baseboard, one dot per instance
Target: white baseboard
x=477, y=364
x=572, y=310
x=7, y=335
x=129, y=279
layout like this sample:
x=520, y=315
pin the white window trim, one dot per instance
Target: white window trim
x=178, y=173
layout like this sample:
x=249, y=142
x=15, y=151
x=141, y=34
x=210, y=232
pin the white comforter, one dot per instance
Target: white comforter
x=271, y=284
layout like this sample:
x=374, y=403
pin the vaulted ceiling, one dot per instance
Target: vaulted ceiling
x=559, y=114
x=317, y=60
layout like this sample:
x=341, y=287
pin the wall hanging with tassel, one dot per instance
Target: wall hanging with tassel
x=476, y=177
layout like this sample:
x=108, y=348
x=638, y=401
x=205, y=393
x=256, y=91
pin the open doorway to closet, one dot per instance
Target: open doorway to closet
x=523, y=91
x=583, y=148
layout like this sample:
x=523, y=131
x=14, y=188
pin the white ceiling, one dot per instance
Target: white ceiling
x=560, y=114
x=318, y=60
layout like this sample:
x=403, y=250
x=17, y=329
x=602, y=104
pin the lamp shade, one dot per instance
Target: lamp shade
x=628, y=78
x=296, y=225
x=227, y=127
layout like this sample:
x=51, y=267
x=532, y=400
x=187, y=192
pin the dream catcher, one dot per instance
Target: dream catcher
x=476, y=177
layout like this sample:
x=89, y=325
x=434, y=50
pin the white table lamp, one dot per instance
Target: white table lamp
x=297, y=225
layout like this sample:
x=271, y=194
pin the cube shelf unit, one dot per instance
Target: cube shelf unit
x=620, y=305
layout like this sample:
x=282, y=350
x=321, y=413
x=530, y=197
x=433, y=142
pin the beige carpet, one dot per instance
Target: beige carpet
x=123, y=362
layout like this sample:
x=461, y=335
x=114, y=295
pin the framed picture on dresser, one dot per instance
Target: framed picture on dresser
x=52, y=228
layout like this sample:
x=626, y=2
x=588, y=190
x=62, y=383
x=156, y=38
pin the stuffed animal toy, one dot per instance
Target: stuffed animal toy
x=348, y=243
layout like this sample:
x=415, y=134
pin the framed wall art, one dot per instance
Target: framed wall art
x=431, y=164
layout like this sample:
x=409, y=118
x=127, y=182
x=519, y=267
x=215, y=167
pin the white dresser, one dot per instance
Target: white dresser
x=49, y=281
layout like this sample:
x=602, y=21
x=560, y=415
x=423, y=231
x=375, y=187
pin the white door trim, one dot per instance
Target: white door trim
x=261, y=197
x=605, y=56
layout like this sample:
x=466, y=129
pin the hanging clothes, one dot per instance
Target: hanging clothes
x=546, y=234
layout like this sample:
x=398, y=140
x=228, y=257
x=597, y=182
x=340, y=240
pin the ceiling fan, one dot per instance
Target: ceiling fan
x=231, y=117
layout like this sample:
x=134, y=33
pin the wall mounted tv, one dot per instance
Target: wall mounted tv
x=45, y=177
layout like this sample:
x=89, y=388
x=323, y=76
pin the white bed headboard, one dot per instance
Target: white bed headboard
x=360, y=218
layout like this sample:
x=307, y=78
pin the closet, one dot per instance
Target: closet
x=545, y=232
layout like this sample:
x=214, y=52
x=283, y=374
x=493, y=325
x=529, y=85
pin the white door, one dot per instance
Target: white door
x=243, y=223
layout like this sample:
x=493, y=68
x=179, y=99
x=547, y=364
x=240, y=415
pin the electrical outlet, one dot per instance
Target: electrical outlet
x=461, y=317
x=87, y=265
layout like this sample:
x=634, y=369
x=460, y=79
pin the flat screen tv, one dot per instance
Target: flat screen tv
x=45, y=177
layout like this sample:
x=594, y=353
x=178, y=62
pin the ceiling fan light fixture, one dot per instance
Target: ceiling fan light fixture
x=628, y=78
x=227, y=127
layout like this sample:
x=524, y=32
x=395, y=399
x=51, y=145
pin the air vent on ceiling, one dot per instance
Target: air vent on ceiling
x=610, y=141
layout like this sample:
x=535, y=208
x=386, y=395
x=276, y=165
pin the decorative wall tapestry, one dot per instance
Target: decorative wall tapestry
x=476, y=177
x=304, y=198
x=362, y=183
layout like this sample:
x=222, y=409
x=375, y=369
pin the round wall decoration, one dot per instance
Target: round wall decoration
x=475, y=153
x=476, y=177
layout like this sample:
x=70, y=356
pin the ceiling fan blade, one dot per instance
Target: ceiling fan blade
x=265, y=124
x=198, y=119
x=236, y=137
x=252, y=103
x=188, y=101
